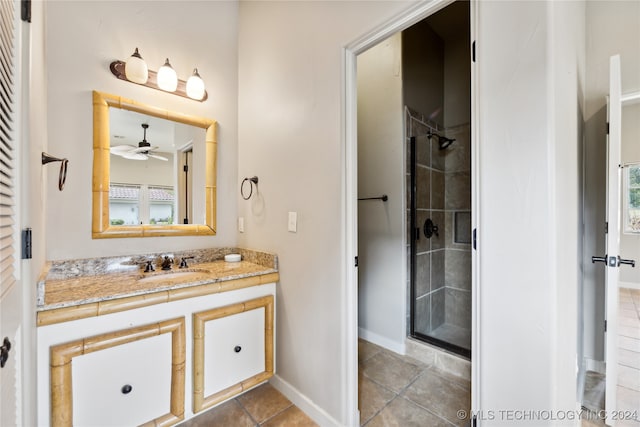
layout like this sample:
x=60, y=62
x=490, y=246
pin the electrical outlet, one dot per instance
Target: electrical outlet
x=241, y=224
x=293, y=222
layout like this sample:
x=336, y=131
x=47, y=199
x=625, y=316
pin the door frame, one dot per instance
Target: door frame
x=349, y=100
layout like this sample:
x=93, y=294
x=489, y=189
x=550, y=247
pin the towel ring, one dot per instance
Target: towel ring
x=62, y=176
x=253, y=180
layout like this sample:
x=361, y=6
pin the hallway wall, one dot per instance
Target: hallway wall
x=381, y=238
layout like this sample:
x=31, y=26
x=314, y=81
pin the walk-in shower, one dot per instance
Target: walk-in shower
x=436, y=72
x=440, y=237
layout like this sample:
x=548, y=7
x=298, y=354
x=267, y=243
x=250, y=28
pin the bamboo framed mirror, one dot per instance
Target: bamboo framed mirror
x=202, y=221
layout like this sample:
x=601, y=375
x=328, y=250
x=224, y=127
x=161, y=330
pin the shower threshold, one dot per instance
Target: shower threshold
x=449, y=337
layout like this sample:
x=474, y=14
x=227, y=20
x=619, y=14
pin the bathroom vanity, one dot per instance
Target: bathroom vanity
x=117, y=346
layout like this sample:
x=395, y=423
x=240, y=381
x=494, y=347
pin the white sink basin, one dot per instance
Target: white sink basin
x=171, y=276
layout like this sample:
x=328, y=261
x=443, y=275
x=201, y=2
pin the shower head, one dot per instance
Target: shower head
x=443, y=141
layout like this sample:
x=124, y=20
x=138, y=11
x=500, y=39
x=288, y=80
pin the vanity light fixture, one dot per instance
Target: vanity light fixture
x=195, y=86
x=135, y=71
x=167, y=77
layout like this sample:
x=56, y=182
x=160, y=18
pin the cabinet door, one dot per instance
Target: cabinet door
x=129, y=377
x=129, y=384
x=233, y=350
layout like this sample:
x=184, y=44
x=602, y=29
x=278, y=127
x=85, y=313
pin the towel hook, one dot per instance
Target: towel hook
x=62, y=176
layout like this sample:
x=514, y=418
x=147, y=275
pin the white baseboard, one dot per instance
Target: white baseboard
x=316, y=413
x=397, y=347
x=629, y=285
x=595, y=366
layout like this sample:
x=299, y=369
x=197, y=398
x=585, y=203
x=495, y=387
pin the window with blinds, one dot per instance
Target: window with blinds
x=7, y=143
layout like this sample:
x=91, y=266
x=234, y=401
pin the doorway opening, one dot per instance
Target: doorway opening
x=414, y=215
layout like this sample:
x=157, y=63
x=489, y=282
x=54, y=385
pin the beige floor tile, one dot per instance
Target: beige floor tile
x=462, y=382
x=629, y=358
x=371, y=398
x=291, y=417
x=366, y=350
x=227, y=414
x=629, y=377
x=629, y=331
x=629, y=400
x=594, y=389
x=390, y=371
x=628, y=321
x=264, y=402
x=440, y=396
x=591, y=419
x=627, y=343
x=402, y=413
x=632, y=314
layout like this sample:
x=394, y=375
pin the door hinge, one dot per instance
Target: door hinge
x=26, y=243
x=474, y=421
x=607, y=128
x=605, y=326
x=475, y=238
x=25, y=10
x=185, y=168
x=356, y=261
x=473, y=51
x=606, y=228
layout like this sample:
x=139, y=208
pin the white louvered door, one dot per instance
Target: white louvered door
x=10, y=288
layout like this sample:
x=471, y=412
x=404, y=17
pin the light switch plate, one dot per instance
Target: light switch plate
x=241, y=224
x=293, y=222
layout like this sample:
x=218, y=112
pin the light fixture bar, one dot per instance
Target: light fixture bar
x=117, y=69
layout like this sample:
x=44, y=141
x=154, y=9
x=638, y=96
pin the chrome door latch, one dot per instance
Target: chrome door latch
x=613, y=261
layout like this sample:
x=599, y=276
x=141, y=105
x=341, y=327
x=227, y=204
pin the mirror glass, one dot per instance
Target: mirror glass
x=153, y=184
x=153, y=171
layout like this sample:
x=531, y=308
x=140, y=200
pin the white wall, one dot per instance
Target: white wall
x=613, y=27
x=526, y=52
x=382, y=255
x=82, y=38
x=290, y=134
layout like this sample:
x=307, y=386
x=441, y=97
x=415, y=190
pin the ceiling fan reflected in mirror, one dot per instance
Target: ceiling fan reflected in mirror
x=143, y=151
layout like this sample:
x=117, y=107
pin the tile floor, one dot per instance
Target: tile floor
x=262, y=406
x=400, y=391
x=629, y=355
x=395, y=391
x=628, y=364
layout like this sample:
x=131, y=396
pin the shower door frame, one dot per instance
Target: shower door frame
x=413, y=226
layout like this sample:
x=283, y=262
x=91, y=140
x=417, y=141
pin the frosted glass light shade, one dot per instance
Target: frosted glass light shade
x=195, y=86
x=135, y=69
x=167, y=77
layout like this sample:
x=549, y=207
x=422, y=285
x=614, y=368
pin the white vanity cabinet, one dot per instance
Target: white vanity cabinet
x=155, y=365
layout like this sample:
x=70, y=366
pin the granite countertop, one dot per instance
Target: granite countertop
x=76, y=282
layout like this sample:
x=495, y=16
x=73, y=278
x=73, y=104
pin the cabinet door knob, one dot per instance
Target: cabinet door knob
x=237, y=349
x=126, y=389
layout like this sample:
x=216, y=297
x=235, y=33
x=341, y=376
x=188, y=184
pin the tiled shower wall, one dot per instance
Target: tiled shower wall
x=443, y=193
